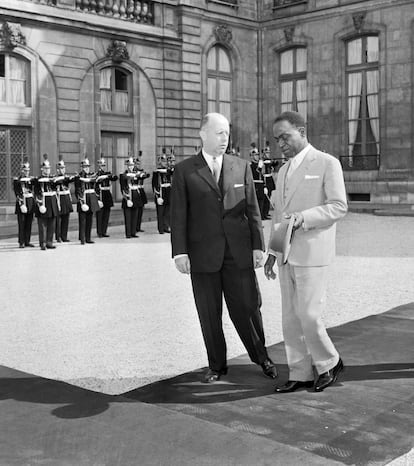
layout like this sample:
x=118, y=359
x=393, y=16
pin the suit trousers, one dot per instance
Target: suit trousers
x=62, y=226
x=24, y=222
x=139, y=218
x=85, y=225
x=303, y=291
x=242, y=295
x=46, y=226
x=102, y=220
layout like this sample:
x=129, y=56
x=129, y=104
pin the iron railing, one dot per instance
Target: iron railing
x=360, y=162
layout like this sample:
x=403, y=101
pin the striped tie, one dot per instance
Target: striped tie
x=216, y=169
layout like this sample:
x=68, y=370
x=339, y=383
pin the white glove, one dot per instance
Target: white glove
x=85, y=207
x=100, y=204
x=23, y=209
x=129, y=203
x=266, y=191
x=42, y=209
x=260, y=164
x=160, y=201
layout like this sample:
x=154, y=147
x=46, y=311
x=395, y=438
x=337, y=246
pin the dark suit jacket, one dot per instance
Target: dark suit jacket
x=203, y=218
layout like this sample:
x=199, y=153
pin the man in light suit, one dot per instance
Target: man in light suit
x=217, y=238
x=311, y=188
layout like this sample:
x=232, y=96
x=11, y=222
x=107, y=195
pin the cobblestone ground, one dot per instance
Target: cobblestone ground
x=116, y=315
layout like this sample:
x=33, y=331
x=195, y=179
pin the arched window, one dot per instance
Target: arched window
x=14, y=80
x=115, y=85
x=362, y=71
x=219, y=81
x=293, y=92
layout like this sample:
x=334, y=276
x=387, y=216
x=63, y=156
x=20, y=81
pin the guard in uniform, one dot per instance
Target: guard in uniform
x=47, y=208
x=87, y=198
x=23, y=186
x=105, y=200
x=257, y=167
x=64, y=201
x=142, y=175
x=130, y=198
x=161, y=186
x=269, y=182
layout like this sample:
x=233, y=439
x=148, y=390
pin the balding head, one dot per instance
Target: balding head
x=214, y=132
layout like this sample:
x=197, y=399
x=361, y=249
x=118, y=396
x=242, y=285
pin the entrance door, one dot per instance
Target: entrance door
x=14, y=146
x=116, y=147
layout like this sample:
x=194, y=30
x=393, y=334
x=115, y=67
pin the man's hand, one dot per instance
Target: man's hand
x=298, y=219
x=268, y=267
x=183, y=264
x=257, y=258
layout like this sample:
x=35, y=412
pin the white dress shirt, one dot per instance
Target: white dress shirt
x=297, y=160
x=209, y=159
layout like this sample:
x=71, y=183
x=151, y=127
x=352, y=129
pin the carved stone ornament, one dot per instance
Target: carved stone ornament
x=118, y=51
x=359, y=19
x=223, y=33
x=12, y=35
x=289, y=33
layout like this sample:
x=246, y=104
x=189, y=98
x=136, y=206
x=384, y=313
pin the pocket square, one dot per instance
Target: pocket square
x=311, y=177
x=238, y=185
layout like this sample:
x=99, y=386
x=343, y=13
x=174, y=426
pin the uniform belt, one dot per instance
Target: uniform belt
x=63, y=193
x=258, y=181
x=267, y=175
x=105, y=188
x=135, y=187
x=165, y=185
x=49, y=193
x=89, y=191
x=28, y=195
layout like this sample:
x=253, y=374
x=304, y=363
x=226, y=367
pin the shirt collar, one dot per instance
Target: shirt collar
x=298, y=158
x=209, y=158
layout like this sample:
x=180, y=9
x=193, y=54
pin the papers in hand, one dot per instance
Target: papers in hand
x=282, y=237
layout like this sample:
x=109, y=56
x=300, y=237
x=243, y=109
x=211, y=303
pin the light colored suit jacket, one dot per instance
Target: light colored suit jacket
x=317, y=190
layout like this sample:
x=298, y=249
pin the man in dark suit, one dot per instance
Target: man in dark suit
x=217, y=238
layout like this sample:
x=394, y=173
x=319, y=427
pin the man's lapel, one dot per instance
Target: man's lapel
x=298, y=176
x=204, y=171
x=226, y=171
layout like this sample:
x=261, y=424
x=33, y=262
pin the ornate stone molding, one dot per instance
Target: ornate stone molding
x=359, y=19
x=12, y=35
x=223, y=33
x=117, y=51
x=289, y=32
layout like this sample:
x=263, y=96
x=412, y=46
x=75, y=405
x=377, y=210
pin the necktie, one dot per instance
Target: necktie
x=216, y=169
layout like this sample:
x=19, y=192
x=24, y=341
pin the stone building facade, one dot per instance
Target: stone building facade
x=113, y=77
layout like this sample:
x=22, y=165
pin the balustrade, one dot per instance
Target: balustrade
x=138, y=11
x=130, y=10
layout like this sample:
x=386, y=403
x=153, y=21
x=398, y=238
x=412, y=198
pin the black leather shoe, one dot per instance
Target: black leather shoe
x=21, y=245
x=292, y=385
x=66, y=240
x=329, y=377
x=212, y=376
x=43, y=247
x=50, y=246
x=167, y=230
x=269, y=368
x=29, y=245
x=58, y=240
x=90, y=241
x=105, y=236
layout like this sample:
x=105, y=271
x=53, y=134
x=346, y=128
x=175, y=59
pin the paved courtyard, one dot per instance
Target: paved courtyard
x=116, y=316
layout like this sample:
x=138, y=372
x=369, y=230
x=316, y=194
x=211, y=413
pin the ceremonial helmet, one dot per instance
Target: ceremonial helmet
x=85, y=162
x=129, y=161
x=25, y=165
x=45, y=163
x=101, y=162
x=61, y=163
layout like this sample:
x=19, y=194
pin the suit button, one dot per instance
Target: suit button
x=219, y=199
